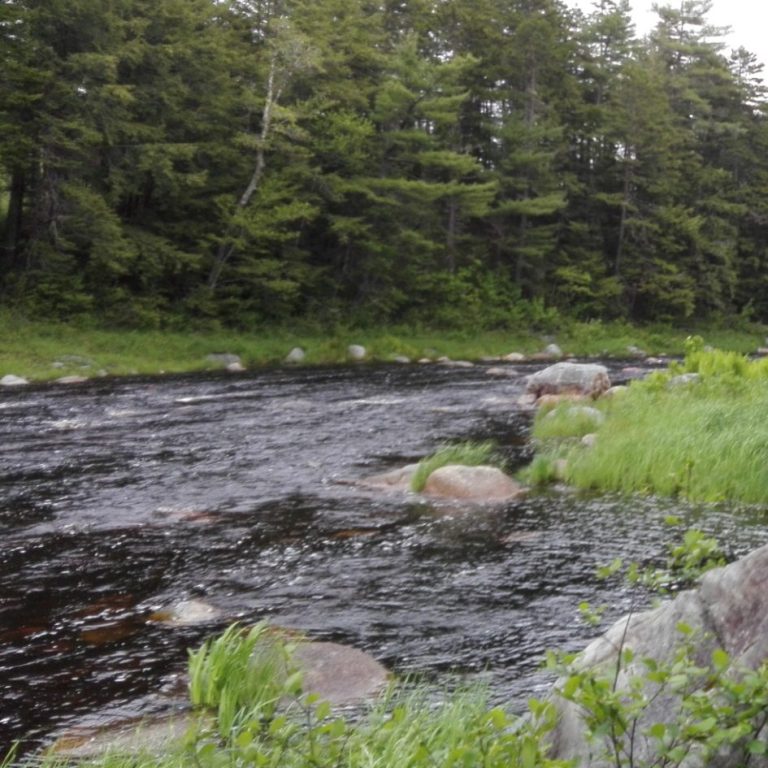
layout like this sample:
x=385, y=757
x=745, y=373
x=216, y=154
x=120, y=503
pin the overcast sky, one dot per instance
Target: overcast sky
x=748, y=20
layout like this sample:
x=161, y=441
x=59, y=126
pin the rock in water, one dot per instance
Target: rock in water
x=340, y=674
x=456, y=481
x=586, y=379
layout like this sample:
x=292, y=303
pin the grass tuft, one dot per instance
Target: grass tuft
x=470, y=454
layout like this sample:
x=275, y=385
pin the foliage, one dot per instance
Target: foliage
x=469, y=454
x=241, y=672
x=710, y=707
x=467, y=165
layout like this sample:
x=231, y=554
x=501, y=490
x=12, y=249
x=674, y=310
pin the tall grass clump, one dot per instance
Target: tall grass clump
x=241, y=671
x=469, y=454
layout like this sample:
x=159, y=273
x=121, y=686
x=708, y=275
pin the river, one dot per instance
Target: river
x=119, y=497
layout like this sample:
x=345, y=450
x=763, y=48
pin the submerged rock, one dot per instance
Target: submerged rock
x=588, y=379
x=481, y=483
x=729, y=610
x=186, y=613
x=396, y=479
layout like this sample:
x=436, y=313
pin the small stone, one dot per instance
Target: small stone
x=296, y=355
x=424, y=361
x=500, y=372
x=57, y=364
x=356, y=352
x=10, y=380
x=71, y=380
x=235, y=368
x=186, y=613
x=552, y=350
x=514, y=357
x=589, y=440
x=402, y=359
x=457, y=364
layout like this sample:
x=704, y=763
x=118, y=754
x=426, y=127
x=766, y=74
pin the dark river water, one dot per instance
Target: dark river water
x=121, y=497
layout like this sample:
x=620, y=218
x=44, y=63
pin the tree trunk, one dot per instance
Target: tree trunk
x=227, y=248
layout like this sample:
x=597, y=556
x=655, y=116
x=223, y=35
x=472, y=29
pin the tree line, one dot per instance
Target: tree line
x=451, y=162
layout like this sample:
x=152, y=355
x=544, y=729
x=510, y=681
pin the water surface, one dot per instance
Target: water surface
x=120, y=497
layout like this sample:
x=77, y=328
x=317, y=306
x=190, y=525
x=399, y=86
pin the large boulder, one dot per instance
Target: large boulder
x=729, y=611
x=586, y=379
x=456, y=481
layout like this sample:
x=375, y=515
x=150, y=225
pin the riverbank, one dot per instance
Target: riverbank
x=46, y=351
x=694, y=431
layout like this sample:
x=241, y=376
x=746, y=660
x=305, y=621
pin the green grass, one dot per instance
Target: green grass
x=706, y=441
x=29, y=348
x=469, y=454
x=241, y=671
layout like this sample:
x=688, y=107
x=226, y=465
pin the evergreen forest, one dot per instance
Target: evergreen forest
x=472, y=163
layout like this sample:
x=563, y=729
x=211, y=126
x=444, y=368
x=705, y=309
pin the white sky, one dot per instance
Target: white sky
x=748, y=20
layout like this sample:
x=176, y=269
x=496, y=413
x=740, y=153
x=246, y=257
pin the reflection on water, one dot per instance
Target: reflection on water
x=120, y=498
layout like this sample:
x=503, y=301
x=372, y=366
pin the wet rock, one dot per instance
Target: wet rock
x=296, y=355
x=144, y=736
x=222, y=358
x=10, y=380
x=526, y=401
x=397, y=479
x=340, y=674
x=456, y=481
x=356, y=352
x=186, y=613
x=587, y=379
x=729, y=610
x=500, y=372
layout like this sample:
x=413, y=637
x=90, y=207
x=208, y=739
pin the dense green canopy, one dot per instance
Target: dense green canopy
x=441, y=161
